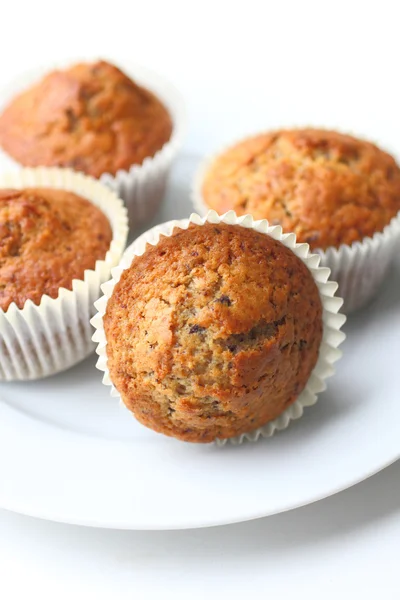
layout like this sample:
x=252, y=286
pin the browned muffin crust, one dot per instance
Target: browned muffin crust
x=90, y=117
x=213, y=332
x=47, y=238
x=328, y=188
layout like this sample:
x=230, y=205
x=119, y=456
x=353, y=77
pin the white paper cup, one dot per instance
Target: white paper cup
x=359, y=268
x=142, y=187
x=40, y=340
x=332, y=319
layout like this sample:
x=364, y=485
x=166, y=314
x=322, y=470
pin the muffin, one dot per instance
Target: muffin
x=212, y=332
x=90, y=117
x=60, y=235
x=332, y=190
x=44, y=242
x=93, y=118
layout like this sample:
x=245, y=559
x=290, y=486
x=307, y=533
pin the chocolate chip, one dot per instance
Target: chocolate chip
x=224, y=300
x=196, y=329
x=194, y=253
x=72, y=119
x=75, y=163
x=14, y=249
x=302, y=344
x=390, y=173
x=312, y=238
x=96, y=69
x=232, y=348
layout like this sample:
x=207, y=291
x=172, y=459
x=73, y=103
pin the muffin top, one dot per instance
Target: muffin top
x=213, y=332
x=328, y=188
x=90, y=117
x=47, y=238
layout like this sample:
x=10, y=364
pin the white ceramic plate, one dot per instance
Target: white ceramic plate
x=69, y=452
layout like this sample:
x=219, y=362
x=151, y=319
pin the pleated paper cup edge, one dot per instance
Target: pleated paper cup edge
x=332, y=334
x=108, y=202
x=367, y=260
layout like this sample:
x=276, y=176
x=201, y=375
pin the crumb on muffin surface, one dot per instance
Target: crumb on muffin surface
x=213, y=332
x=327, y=187
x=90, y=117
x=48, y=238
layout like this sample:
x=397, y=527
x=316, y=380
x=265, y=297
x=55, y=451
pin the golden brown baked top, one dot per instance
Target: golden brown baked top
x=47, y=238
x=90, y=117
x=213, y=332
x=328, y=188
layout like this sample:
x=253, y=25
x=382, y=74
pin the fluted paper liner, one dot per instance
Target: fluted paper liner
x=40, y=340
x=359, y=268
x=142, y=187
x=332, y=319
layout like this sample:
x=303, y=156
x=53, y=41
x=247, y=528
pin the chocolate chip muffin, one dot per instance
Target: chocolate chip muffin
x=48, y=238
x=328, y=188
x=213, y=332
x=90, y=117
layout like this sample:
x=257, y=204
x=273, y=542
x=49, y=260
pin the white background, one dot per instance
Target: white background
x=241, y=66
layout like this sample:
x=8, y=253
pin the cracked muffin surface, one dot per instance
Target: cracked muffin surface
x=90, y=117
x=48, y=238
x=326, y=187
x=213, y=332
